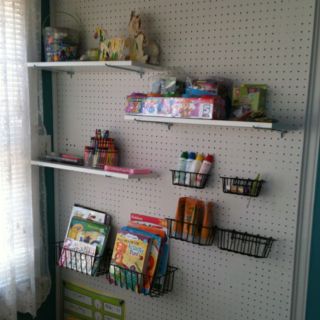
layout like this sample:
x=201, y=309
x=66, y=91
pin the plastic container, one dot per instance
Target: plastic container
x=60, y=44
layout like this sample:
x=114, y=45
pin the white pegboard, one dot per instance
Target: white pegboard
x=250, y=41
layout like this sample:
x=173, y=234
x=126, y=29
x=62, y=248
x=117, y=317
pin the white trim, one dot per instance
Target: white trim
x=308, y=181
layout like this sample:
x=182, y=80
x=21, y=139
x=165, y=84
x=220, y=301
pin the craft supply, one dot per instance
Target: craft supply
x=205, y=168
x=102, y=151
x=254, y=186
x=88, y=156
x=207, y=223
x=191, y=158
x=135, y=102
x=180, y=176
x=189, y=216
x=126, y=170
x=194, y=168
x=178, y=226
x=196, y=220
x=64, y=158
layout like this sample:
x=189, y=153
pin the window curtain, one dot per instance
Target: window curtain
x=24, y=276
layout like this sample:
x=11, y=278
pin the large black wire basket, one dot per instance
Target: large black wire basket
x=190, y=232
x=142, y=283
x=244, y=243
x=92, y=265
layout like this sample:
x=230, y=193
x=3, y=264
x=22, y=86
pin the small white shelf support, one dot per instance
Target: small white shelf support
x=99, y=172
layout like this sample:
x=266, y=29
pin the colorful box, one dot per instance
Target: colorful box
x=156, y=107
x=199, y=108
x=135, y=103
x=252, y=96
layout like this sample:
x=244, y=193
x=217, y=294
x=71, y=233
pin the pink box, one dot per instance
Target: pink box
x=199, y=108
x=126, y=170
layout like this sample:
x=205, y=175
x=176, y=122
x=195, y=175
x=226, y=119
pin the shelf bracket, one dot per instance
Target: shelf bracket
x=140, y=72
x=281, y=131
x=69, y=73
x=169, y=125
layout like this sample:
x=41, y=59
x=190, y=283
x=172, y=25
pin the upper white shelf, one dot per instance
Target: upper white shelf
x=99, y=172
x=94, y=66
x=219, y=123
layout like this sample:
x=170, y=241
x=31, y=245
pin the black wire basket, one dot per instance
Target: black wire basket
x=189, y=179
x=243, y=187
x=92, y=265
x=141, y=283
x=190, y=232
x=244, y=243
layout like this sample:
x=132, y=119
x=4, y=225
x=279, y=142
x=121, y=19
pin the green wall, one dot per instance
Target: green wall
x=313, y=302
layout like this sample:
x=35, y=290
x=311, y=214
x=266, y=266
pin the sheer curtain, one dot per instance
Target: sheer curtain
x=24, y=282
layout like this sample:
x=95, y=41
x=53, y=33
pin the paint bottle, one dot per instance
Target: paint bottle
x=204, y=169
x=180, y=176
x=190, y=160
x=195, y=167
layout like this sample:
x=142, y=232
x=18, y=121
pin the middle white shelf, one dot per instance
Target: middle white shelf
x=99, y=172
x=218, y=123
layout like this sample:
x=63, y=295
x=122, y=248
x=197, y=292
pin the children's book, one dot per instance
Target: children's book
x=131, y=252
x=90, y=232
x=153, y=257
x=90, y=214
x=149, y=221
x=78, y=256
x=157, y=226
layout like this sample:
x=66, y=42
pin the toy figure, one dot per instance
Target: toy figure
x=136, y=40
x=140, y=48
x=103, y=46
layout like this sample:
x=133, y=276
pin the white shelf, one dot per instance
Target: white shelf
x=76, y=168
x=94, y=66
x=219, y=123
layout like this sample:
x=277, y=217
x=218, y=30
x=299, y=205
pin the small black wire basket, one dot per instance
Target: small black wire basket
x=243, y=187
x=190, y=232
x=141, y=283
x=189, y=179
x=92, y=265
x=244, y=243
